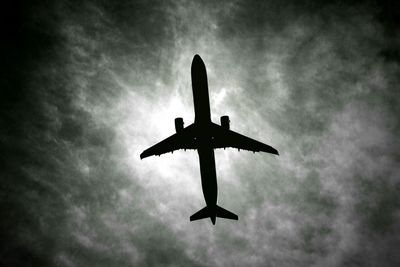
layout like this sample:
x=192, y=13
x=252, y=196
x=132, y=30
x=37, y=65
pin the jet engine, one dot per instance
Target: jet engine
x=225, y=122
x=178, y=124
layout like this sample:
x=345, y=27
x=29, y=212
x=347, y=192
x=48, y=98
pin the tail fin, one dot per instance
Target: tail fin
x=223, y=213
x=219, y=212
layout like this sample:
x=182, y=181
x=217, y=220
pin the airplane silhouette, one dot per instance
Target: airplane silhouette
x=205, y=136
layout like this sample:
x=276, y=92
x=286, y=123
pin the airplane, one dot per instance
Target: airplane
x=204, y=136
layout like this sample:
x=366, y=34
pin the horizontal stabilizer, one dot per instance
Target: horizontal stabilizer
x=223, y=213
x=218, y=212
x=201, y=214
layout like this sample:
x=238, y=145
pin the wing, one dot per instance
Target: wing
x=182, y=140
x=226, y=138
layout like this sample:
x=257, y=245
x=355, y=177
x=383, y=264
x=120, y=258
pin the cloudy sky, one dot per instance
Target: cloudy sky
x=87, y=87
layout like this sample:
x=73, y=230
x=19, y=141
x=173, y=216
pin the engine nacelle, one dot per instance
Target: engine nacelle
x=225, y=122
x=178, y=124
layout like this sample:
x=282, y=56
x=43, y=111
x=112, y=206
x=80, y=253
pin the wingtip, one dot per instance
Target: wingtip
x=145, y=154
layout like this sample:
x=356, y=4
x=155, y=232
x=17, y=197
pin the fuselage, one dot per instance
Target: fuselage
x=201, y=99
x=204, y=139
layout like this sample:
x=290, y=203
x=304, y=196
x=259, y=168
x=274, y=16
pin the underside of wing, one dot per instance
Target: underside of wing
x=224, y=138
x=181, y=140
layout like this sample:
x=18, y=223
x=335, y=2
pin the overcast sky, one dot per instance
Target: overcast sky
x=88, y=87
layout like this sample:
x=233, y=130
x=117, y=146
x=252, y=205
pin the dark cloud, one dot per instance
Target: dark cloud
x=88, y=86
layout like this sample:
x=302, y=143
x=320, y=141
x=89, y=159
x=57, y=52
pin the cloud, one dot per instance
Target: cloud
x=312, y=80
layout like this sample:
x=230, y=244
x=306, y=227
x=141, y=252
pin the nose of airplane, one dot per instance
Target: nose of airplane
x=197, y=60
x=198, y=63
